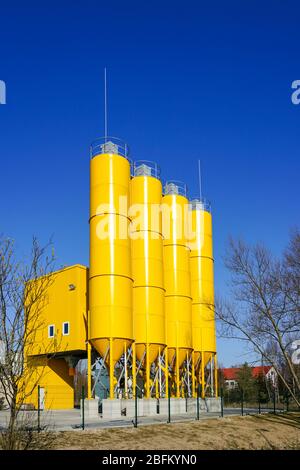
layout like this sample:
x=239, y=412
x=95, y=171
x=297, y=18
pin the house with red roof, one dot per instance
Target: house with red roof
x=231, y=373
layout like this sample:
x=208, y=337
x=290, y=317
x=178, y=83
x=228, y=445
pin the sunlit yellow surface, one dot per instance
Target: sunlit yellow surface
x=202, y=284
x=52, y=375
x=177, y=277
x=63, y=299
x=110, y=281
x=147, y=269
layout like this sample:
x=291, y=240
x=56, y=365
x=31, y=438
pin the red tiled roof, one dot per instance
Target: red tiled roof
x=230, y=372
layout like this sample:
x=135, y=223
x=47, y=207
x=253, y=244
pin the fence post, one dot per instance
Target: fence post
x=222, y=402
x=136, y=408
x=198, y=402
x=242, y=402
x=259, y=410
x=287, y=402
x=82, y=398
x=274, y=402
x=39, y=409
x=169, y=404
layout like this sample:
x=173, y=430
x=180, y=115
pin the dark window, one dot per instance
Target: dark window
x=51, y=331
x=66, y=328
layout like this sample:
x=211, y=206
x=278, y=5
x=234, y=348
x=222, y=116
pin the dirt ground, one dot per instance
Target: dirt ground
x=248, y=432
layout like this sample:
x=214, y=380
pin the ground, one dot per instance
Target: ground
x=268, y=431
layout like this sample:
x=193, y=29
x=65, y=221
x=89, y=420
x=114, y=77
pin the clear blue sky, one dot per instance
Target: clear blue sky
x=187, y=80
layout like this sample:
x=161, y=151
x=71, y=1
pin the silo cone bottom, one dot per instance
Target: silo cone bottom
x=111, y=351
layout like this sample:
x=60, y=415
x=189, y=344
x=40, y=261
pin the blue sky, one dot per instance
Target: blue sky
x=187, y=80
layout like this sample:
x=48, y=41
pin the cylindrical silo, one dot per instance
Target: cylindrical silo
x=178, y=300
x=110, y=278
x=202, y=288
x=147, y=268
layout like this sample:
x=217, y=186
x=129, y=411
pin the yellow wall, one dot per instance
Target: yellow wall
x=60, y=304
x=53, y=376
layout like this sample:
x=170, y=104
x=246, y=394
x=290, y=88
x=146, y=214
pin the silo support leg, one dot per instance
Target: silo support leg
x=202, y=375
x=177, y=374
x=166, y=373
x=216, y=376
x=125, y=370
x=133, y=369
x=211, y=376
x=193, y=375
x=147, y=372
x=159, y=375
x=111, y=369
x=89, y=371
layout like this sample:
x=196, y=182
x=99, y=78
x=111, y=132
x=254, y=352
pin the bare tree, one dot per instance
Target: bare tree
x=23, y=295
x=264, y=306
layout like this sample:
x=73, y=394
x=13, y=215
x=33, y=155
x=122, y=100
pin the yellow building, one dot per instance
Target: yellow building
x=56, y=335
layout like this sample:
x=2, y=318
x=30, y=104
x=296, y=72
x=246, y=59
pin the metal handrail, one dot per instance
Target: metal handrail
x=200, y=204
x=175, y=187
x=146, y=165
x=97, y=147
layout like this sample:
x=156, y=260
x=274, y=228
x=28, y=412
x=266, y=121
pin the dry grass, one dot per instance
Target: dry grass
x=249, y=432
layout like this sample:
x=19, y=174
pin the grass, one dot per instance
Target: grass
x=260, y=432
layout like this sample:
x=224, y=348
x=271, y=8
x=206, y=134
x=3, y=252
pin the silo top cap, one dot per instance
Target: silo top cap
x=200, y=204
x=175, y=187
x=146, y=168
x=111, y=145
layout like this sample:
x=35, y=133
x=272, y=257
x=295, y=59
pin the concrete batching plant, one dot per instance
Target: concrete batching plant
x=143, y=312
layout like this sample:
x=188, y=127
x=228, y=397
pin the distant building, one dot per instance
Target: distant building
x=230, y=375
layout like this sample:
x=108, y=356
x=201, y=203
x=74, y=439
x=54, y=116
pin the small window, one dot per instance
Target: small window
x=51, y=331
x=66, y=328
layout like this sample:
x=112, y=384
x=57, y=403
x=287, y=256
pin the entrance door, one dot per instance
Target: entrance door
x=42, y=398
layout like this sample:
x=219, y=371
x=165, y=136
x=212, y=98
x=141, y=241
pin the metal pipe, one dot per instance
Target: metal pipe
x=82, y=414
x=39, y=408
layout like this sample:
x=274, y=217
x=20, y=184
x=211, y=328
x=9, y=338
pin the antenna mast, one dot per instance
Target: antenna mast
x=105, y=105
x=200, y=179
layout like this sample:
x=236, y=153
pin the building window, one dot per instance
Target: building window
x=66, y=328
x=51, y=331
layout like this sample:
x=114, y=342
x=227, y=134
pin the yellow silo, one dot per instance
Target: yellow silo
x=110, y=279
x=202, y=289
x=147, y=268
x=177, y=279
